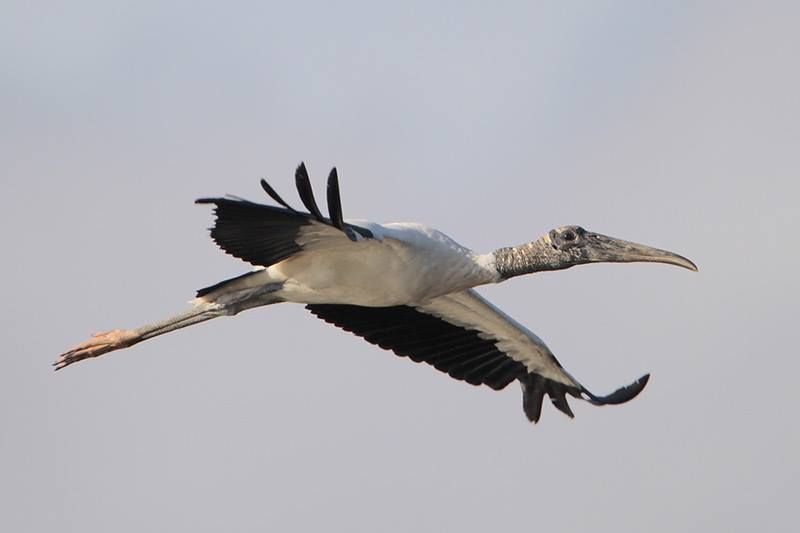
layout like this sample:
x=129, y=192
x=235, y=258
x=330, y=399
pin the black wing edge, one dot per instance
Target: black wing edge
x=534, y=387
x=263, y=234
x=458, y=352
x=621, y=395
x=259, y=234
x=461, y=353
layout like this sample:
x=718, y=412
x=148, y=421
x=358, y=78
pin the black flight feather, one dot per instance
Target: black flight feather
x=306, y=192
x=263, y=234
x=334, y=200
x=621, y=395
x=558, y=396
x=335, y=205
x=259, y=234
x=274, y=195
x=461, y=353
x=425, y=338
x=533, y=389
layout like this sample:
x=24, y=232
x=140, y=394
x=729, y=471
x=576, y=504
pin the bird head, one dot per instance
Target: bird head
x=568, y=246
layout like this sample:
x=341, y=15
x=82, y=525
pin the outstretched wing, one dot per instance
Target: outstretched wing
x=471, y=340
x=264, y=235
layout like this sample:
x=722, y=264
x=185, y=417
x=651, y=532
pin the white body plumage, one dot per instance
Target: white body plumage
x=403, y=264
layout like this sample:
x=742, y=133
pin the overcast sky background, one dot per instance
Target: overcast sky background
x=675, y=124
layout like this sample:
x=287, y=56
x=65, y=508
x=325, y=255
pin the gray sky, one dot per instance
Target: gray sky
x=676, y=125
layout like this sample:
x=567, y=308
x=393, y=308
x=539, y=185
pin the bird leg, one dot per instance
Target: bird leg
x=229, y=299
x=108, y=341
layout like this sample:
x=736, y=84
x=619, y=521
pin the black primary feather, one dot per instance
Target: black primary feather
x=461, y=353
x=274, y=195
x=621, y=395
x=263, y=234
x=334, y=200
x=335, y=206
x=259, y=234
x=303, y=184
x=532, y=396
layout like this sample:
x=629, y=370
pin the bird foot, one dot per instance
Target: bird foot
x=99, y=344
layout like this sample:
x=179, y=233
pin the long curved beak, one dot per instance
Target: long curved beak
x=604, y=249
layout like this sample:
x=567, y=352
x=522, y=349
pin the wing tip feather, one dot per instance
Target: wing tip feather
x=619, y=396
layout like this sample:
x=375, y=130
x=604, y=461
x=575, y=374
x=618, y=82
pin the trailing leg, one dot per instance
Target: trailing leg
x=225, y=304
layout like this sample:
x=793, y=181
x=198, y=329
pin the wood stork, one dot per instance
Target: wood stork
x=404, y=286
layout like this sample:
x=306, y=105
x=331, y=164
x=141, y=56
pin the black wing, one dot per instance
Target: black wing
x=459, y=352
x=465, y=353
x=263, y=234
x=259, y=234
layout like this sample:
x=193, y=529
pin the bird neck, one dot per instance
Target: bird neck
x=536, y=256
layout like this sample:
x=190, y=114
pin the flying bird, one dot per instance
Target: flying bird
x=405, y=287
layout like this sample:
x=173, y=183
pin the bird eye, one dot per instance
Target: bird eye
x=569, y=235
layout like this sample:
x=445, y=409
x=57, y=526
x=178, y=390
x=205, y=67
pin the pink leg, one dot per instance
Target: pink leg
x=99, y=344
x=102, y=343
x=108, y=341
